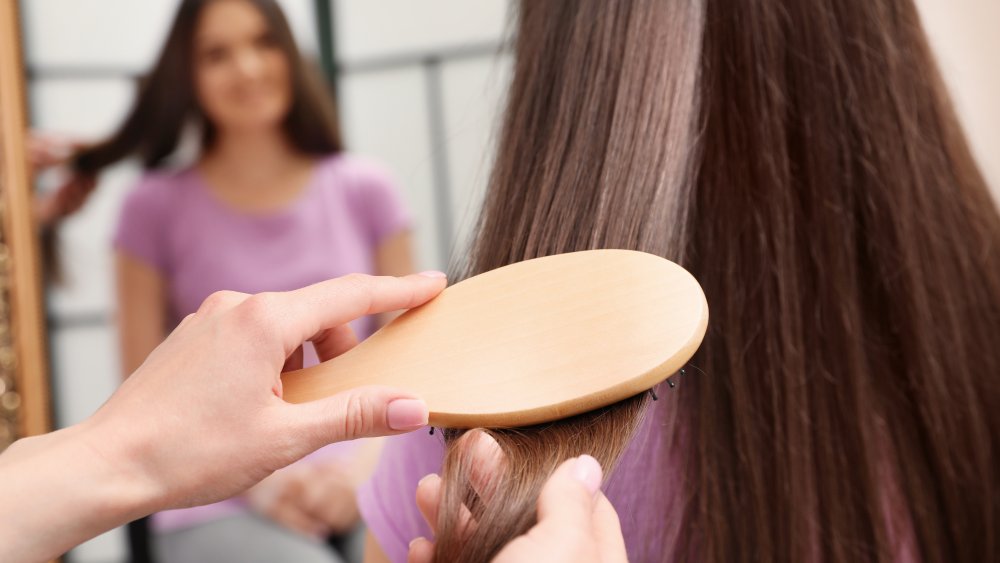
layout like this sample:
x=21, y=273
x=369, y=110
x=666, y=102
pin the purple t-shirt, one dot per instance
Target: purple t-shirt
x=388, y=505
x=199, y=244
x=640, y=489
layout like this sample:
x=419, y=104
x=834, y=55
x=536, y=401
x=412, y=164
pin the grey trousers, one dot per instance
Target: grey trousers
x=248, y=538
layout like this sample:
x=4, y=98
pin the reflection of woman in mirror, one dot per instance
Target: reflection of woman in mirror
x=271, y=203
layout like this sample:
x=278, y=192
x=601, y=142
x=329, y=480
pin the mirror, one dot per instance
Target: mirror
x=24, y=385
x=417, y=86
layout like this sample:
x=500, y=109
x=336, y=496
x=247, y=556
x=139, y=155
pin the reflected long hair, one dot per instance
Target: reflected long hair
x=167, y=99
x=802, y=160
x=167, y=103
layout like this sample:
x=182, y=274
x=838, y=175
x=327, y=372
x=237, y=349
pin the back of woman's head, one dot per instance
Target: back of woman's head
x=800, y=157
x=168, y=99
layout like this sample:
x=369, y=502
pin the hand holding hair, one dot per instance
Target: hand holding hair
x=576, y=522
x=203, y=419
x=48, y=151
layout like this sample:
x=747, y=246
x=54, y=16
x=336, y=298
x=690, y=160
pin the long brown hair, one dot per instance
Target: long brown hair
x=167, y=101
x=802, y=160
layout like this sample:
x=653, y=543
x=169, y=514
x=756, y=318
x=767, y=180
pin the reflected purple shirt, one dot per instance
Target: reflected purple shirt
x=199, y=244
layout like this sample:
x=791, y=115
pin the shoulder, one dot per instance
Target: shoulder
x=357, y=171
x=387, y=500
x=157, y=189
x=368, y=189
x=406, y=459
x=148, y=216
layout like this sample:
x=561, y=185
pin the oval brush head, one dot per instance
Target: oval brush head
x=531, y=342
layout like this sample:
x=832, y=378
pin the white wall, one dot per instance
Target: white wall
x=964, y=36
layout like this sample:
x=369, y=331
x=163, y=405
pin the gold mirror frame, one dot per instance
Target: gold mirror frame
x=24, y=374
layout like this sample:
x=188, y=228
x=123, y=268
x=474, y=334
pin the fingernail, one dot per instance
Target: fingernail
x=433, y=274
x=406, y=414
x=426, y=477
x=588, y=471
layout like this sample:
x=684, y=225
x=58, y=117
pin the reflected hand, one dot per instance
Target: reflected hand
x=47, y=151
x=314, y=500
x=67, y=199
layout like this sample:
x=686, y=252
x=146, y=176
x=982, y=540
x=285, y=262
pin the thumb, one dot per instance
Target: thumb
x=567, y=498
x=362, y=412
x=565, y=516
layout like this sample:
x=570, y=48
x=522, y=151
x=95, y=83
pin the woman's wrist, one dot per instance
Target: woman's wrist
x=116, y=457
x=68, y=491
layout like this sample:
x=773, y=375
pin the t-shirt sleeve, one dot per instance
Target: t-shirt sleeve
x=379, y=201
x=142, y=222
x=387, y=502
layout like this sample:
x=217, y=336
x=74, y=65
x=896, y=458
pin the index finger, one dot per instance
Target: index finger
x=306, y=312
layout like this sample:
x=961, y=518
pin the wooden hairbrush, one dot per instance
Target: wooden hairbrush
x=531, y=342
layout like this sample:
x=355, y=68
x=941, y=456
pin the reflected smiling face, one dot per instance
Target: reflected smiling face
x=241, y=73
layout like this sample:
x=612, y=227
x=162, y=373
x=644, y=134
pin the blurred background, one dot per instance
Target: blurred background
x=418, y=87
